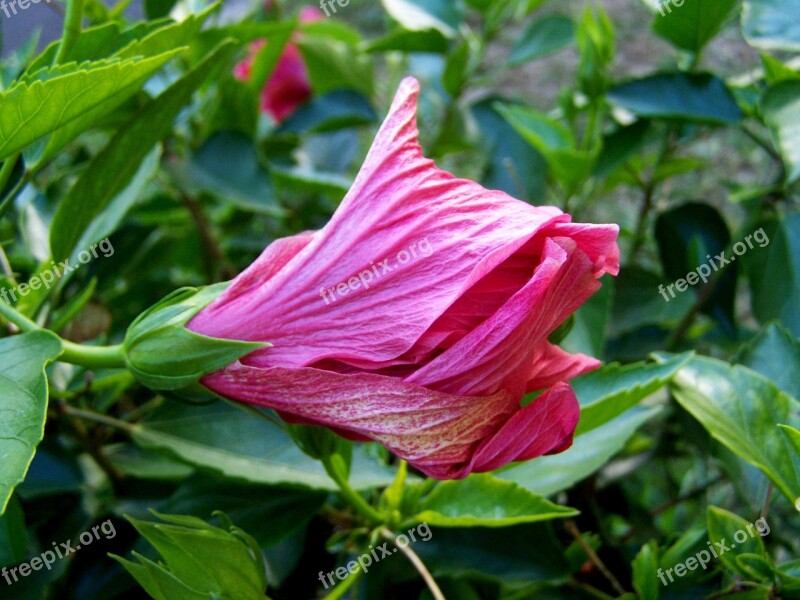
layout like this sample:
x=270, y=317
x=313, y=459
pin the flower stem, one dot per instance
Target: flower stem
x=415, y=560
x=350, y=494
x=72, y=29
x=93, y=357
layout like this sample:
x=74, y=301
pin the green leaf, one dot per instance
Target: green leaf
x=419, y=15
x=513, y=165
x=727, y=530
x=32, y=110
x=780, y=106
x=228, y=166
x=691, y=26
x=772, y=24
x=13, y=535
x=686, y=235
x=543, y=37
x=644, y=305
x=227, y=440
x=645, y=566
x=337, y=110
x=485, y=501
x=335, y=64
x=155, y=9
x=23, y=403
x=794, y=437
x=548, y=475
x=774, y=272
x=455, y=70
x=608, y=392
x=511, y=555
x=429, y=40
x=588, y=332
x=742, y=409
x=569, y=165
x=776, y=355
x=114, y=167
x=693, y=97
x=210, y=561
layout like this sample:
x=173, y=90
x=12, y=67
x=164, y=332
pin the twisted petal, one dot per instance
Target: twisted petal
x=400, y=206
x=444, y=435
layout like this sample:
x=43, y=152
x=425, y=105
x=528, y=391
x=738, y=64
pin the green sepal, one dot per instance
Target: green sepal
x=163, y=355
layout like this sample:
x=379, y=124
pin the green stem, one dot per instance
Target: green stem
x=93, y=357
x=351, y=495
x=415, y=560
x=24, y=323
x=72, y=29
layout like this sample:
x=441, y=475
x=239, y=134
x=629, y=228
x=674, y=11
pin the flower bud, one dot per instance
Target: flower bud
x=164, y=355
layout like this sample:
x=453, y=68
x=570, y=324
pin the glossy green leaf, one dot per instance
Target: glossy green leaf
x=772, y=24
x=733, y=536
x=548, y=475
x=645, y=567
x=687, y=235
x=544, y=36
x=231, y=442
x=774, y=272
x=513, y=165
x=742, y=409
x=486, y=501
x=32, y=110
x=23, y=403
x=608, y=392
x=693, y=24
x=511, y=555
x=113, y=168
x=419, y=15
x=429, y=40
x=780, y=106
x=210, y=562
x=569, y=165
x=776, y=355
x=228, y=165
x=693, y=97
x=589, y=325
x=333, y=64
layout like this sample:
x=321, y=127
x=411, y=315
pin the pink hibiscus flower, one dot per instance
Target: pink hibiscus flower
x=289, y=85
x=419, y=315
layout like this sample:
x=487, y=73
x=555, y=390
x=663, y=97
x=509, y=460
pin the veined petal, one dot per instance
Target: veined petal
x=369, y=268
x=545, y=426
x=434, y=431
x=500, y=352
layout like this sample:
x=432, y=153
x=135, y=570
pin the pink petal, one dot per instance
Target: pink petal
x=501, y=351
x=551, y=364
x=434, y=431
x=398, y=201
x=288, y=87
x=545, y=426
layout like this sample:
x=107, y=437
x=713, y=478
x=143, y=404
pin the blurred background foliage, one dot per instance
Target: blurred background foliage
x=680, y=123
